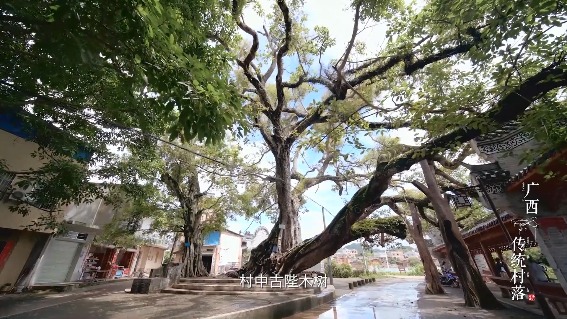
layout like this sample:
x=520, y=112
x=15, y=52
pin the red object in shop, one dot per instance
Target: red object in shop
x=6, y=252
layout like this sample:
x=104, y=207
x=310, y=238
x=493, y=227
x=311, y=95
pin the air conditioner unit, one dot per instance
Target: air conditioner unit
x=22, y=195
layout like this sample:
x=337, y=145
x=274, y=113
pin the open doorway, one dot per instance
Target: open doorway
x=208, y=262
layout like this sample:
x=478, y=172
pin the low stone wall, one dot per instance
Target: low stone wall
x=158, y=282
x=282, y=309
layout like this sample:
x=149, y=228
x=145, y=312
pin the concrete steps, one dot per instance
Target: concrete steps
x=230, y=286
x=233, y=292
x=210, y=280
x=235, y=287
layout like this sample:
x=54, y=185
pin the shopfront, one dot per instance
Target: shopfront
x=112, y=262
x=59, y=259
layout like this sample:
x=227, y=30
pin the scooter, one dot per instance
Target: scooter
x=449, y=279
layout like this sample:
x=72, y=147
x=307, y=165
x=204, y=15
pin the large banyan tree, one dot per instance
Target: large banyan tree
x=447, y=68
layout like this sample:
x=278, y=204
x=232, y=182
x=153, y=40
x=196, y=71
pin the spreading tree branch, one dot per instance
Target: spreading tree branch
x=245, y=64
x=282, y=51
x=453, y=164
x=508, y=108
x=412, y=64
x=451, y=179
x=350, y=45
x=426, y=217
x=272, y=67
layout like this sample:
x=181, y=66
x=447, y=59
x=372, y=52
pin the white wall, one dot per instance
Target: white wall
x=157, y=239
x=95, y=213
x=230, y=249
x=261, y=235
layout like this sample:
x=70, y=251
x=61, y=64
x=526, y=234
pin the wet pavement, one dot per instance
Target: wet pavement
x=402, y=297
x=388, y=298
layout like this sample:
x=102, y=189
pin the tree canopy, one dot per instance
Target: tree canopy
x=112, y=76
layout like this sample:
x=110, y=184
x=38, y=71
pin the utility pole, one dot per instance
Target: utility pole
x=329, y=266
x=364, y=260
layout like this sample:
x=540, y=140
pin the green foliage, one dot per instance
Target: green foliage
x=112, y=74
x=342, y=270
x=393, y=226
x=415, y=262
x=226, y=190
x=513, y=40
x=132, y=63
x=131, y=204
x=416, y=270
x=378, y=9
x=546, y=121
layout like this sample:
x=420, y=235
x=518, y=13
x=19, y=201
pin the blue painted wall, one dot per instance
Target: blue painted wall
x=212, y=239
x=14, y=124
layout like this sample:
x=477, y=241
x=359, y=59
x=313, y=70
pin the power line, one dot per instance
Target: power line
x=116, y=125
x=314, y=201
x=263, y=176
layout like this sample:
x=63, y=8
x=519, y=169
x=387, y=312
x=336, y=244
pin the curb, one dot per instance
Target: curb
x=282, y=309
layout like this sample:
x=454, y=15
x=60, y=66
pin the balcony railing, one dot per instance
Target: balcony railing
x=6, y=180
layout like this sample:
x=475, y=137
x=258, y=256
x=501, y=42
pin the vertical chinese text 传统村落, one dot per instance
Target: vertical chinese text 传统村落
x=520, y=244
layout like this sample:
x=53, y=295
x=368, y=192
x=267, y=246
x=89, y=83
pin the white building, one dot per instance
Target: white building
x=253, y=240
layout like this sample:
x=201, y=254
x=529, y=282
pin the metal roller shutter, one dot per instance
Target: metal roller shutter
x=56, y=262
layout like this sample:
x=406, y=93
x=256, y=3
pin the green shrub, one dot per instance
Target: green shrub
x=418, y=270
x=342, y=270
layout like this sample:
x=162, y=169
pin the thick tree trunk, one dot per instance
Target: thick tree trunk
x=341, y=231
x=313, y=250
x=432, y=280
x=264, y=258
x=189, y=197
x=298, y=259
x=475, y=290
x=192, y=255
x=261, y=258
x=288, y=214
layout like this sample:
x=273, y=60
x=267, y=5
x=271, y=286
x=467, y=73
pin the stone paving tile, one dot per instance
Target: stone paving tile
x=451, y=305
x=125, y=306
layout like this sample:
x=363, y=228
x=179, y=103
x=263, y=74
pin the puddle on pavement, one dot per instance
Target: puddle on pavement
x=391, y=301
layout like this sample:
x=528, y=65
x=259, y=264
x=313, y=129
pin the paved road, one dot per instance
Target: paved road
x=111, y=302
x=12, y=305
x=403, y=298
x=388, y=298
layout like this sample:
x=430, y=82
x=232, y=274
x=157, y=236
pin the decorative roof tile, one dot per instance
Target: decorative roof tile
x=502, y=131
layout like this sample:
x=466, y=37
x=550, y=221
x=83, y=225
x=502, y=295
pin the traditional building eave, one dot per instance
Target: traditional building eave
x=530, y=170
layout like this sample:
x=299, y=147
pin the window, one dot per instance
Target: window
x=6, y=180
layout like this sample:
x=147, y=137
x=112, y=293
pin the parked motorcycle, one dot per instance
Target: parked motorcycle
x=449, y=279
